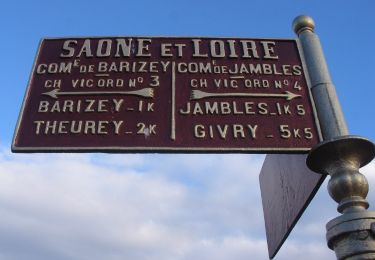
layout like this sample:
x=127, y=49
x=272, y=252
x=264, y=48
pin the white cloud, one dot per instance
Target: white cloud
x=305, y=250
x=141, y=207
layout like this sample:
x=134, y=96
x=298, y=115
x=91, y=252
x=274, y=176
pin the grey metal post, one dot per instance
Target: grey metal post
x=340, y=155
x=328, y=107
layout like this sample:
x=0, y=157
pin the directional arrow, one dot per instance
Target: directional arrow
x=198, y=94
x=146, y=92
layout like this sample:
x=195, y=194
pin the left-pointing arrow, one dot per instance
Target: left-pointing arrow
x=145, y=92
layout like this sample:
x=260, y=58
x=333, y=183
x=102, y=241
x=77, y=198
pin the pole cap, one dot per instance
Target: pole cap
x=354, y=150
x=302, y=23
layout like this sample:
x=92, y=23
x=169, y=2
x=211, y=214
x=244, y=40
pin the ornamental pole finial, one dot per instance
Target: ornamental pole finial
x=302, y=23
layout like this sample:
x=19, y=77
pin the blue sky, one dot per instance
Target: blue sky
x=163, y=206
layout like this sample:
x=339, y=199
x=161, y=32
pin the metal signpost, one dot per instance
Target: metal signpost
x=350, y=235
x=159, y=94
x=125, y=94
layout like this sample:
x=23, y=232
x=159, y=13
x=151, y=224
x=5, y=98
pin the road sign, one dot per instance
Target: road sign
x=287, y=187
x=122, y=94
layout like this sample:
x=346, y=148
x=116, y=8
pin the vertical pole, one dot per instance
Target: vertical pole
x=328, y=107
x=351, y=235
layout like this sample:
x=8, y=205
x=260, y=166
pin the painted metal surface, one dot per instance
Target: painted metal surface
x=283, y=215
x=350, y=235
x=123, y=94
x=331, y=117
x=340, y=155
x=287, y=187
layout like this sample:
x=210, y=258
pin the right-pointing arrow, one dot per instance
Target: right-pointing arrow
x=198, y=94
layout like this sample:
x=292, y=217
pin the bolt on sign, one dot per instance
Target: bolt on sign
x=122, y=94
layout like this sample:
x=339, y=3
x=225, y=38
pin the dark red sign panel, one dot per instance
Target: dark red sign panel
x=287, y=187
x=167, y=94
